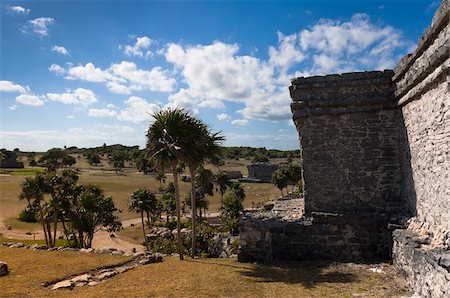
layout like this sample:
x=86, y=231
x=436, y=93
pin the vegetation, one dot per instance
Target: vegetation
x=117, y=160
x=81, y=209
x=143, y=201
x=289, y=174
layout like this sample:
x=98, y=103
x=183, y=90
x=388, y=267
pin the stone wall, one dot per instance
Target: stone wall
x=349, y=134
x=376, y=156
x=422, y=90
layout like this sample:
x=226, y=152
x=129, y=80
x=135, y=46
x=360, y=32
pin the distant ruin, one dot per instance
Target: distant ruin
x=10, y=160
x=376, y=169
x=261, y=172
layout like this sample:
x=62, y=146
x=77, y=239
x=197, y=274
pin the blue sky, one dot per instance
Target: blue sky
x=84, y=73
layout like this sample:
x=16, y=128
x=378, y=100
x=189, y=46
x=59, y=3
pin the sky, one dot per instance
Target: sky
x=84, y=73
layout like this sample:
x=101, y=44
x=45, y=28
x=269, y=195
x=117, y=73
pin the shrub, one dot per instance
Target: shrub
x=27, y=215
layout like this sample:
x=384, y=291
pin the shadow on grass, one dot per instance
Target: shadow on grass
x=306, y=273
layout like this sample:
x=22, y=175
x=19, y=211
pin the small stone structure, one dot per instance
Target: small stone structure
x=376, y=157
x=234, y=174
x=11, y=160
x=261, y=171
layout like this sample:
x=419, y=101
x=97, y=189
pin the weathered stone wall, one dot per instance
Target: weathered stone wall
x=427, y=270
x=350, y=134
x=261, y=171
x=422, y=90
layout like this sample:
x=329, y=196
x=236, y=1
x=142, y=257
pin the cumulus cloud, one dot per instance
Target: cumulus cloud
x=137, y=110
x=217, y=73
x=223, y=117
x=19, y=9
x=29, y=100
x=339, y=46
x=39, y=26
x=57, y=69
x=122, y=78
x=240, y=122
x=60, y=49
x=102, y=113
x=8, y=86
x=140, y=48
x=79, y=97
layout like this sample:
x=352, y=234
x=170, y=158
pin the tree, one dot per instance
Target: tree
x=168, y=205
x=260, y=158
x=142, y=200
x=167, y=139
x=280, y=179
x=237, y=190
x=93, y=211
x=230, y=211
x=93, y=158
x=33, y=190
x=222, y=182
x=160, y=177
x=68, y=161
x=204, y=147
x=117, y=160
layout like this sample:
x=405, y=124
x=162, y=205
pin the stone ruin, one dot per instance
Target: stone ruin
x=261, y=172
x=10, y=160
x=376, y=169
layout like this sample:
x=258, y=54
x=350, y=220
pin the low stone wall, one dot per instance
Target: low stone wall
x=270, y=237
x=427, y=270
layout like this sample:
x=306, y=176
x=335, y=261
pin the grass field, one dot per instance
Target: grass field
x=195, y=278
x=119, y=187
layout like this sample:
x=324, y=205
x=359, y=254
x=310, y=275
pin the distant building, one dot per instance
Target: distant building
x=233, y=174
x=10, y=160
x=261, y=171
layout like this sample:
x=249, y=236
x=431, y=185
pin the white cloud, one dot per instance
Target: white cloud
x=287, y=54
x=240, y=122
x=140, y=48
x=223, y=117
x=123, y=77
x=57, y=69
x=88, y=73
x=338, y=46
x=29, y=100
x=70, y=117
x=13, y=107
x=40, y=26
x=60, y=49
x=79, y=97
x=102, y=113
x=8, y=86
x=19, y=9
x=137, y=110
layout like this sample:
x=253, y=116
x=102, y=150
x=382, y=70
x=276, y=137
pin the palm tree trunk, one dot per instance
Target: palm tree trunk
x=143, y=227
x=178, y=205
x=49, y=233
x=45, y=233
x=193, y=210
x=55, y=227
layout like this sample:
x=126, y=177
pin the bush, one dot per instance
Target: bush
x=27, y=215
x=162, y=245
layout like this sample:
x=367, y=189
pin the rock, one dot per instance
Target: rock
x=223, y=254
x=93, y=283
x=65, y=284
x=138, y=254
x=81, y=278
x=106, y=275
x=86, y=250
x=17, y=245
x=118, y=253
x=3, y=269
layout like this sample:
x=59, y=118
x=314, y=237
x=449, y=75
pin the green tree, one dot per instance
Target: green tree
x=68, y=161
x=167, y=140
x=230, y=212
x=93, y=211
x=93, y=159
x=33, y=189
x=280, y=179
x=168, y=205
x=143, y=201
x=222, y=182
x=237, y=190
x=160, y=177
x=117, y=160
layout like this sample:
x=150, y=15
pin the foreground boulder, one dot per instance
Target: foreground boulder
x=3, y=269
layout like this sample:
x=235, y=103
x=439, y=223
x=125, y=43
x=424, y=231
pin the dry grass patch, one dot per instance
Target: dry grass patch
x=28, y=269
x=227, y=278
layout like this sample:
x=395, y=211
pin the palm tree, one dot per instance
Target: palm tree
x=206, y=147
x=142, y=200
x=168, y=140
x=33, y=190
x=222, y=182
